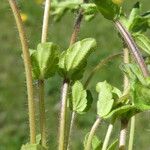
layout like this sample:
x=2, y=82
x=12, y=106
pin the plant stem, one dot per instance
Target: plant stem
x=72, y=41
x=124, y=124
x=42, y=113
x=107, y=137
x=123, y=134
x=99, y=66
x=63, y=117
x=73, y=117
x=77, y=25
x=92, y=133
x=132, y=131
x=133, y=47
x=28, y=70
x=45, y=21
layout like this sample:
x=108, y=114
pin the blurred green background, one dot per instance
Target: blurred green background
x=13, y=98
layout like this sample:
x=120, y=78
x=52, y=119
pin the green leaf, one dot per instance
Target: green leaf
x=105, y=98
x=108, y=9
x=126, y=111
x=73, y=61
x=81, y=99
x=32, y=147
x=44, y=60
x=136, y=23
x=96, y=143
x=143, y=42
x=141, y=97
x=89, y=10
x=60, y=8
x=114, y=145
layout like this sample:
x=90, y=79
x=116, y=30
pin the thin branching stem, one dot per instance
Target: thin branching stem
x=42, y=115
x=123, y=135
x=73, y=39
x=107, y=137
x=77, y=25
x=63, y=117
x=73, y=118
x=99, y=66
x=133, y=47
x=46, y=21
x=92, y=133
x=41, y=82
x=28, y=70
x=124, y=123
x=132, y=131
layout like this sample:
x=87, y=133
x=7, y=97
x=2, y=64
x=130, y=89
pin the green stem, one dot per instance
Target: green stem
x=132, y=131
x=45, y=21
x=92, y=133
x=107, y=137
x=133, y=47
x=63, y=117
x=99, y=66
x=73, y=118
x=28, y=70
x=123, y=135
x=124, y=123
x=42, y=113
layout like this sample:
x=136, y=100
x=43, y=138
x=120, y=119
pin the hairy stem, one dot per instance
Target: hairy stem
x=132, y=131
x=123, y=135
x=42, y=113
x=28, y=70
x=107, y=137
x=45, y=21
x=63, y=117
x=124, y=124
x=73, y=118
x=72, y=41
x=92, y=133
x=99, y=66
x=77, y=25
x=133, y=47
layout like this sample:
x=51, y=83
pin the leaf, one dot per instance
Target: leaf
x=141, y=97
x=81, y=99
x=143, y=42
x=73, y=61
x=89, y=10
x=32, y=147
x=114, y=145
x=136, y=23
x=44, y=60
x=126, y=111
x=96, y=143
x=60, y=8
x=108, y=9
x=105, y=98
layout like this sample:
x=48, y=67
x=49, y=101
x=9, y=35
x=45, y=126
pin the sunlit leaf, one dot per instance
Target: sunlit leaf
x=81, y=99
x=73, y=60
x=143, y=42
x=44, y=60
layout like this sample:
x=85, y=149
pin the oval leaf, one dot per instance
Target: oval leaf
x=44, y=60
x=81, y=100
x=105, y=98
x=143, y=42
x=73, y=61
